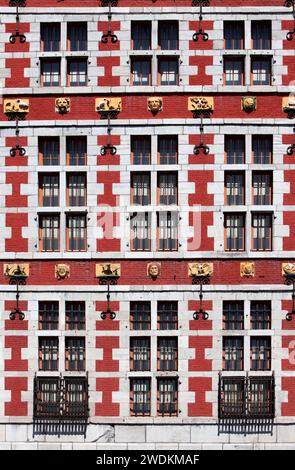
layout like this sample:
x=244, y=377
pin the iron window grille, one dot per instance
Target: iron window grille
x=260, y=353
x=167, y=354
x=167, y=403
x=233, y=315
x=140, y=354
x=140, y=397
x=246, y=397
x=75, y=315
x=61, y=398
x=233, y=353
x=48, y=353
x=140, y=315
x=75, y=354
x=167, y=315
x=260, y=315
x=48, y=315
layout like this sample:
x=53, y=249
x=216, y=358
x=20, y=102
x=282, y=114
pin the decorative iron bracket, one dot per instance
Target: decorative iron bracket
x=17, y=279
x=108, y=281
x=17, y=149
x=201, y=281
x=201, y=4
x=288, y=4
x=109, y=34
x=17, y=34
x=108, y=148
x=201, y=114
x=291, y=148
x=290, y=281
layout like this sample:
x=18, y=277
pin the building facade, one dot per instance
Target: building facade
x=147, y=224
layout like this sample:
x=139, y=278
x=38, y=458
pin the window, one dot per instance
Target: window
x=233, y=71
x=140, y=397
x=50, y=72
x=75, y=315
x=49, y=232
x=49, y=151
x=167, y=228
x=168, y=35
x=234, y=189
x=234, y=232
x=234, y=34
x=232, y=399
x=260, y=315
x=167, y=397
x=261, y=397
x=140, y=350
x=140, y=189
x=141, y=35
x=260, y=353
x=48, y=353
x=167, y=150
x=262, y=148
x=261, y=34
x=167, y=188
x=233, y=315
x=49, y=190
x=233, y=353
x=50, y=37
x=261, y=71
x=262, y=188
x=168, y=71
x=261, y=232
x=77, y=36
x=76, y=189
x=48, y=315
x=77, y=72
x=76, y=232
x=47, y=395
x=76, y=398
x=141, y=72
x=140, y=315
x=141, y=150
x=167, y=315
x=75, y=354
x=167, y=354
x=140, y=231
x=76, y=151
x=234, y=149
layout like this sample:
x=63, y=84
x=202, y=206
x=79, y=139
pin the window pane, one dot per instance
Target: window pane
x=50, y=37
x=49, y=233
x=167, y=397
x=261, y=71
x=234, y=34
x=233, y=353
x=48, y=315
x=140, y=231
x=75, y=354
x=168, y=150
x=260, y=353
x=167, y=188
x=262, y=149
x=77, y=36
x=141, y=189
x=234, y=71
x=48, y=353
x=75, y=315
x=261, y=34
x=49, y=150
x=235, y=149
x=140, y=400
x=76, y=232
x=234, y=232
x=260, y=315
x=141, y=35
x=141, y=72
x=167, y=231
x=168, y=71
x=235, y=186
x=232, y=399
x=262, y=228
x=140, y=349
x=77, y=73
x=76, y=150
x=233, y=315
x=76, y=187
x=49, y=190
x=50, y=73
x=167, y=315
x=167, y=354
x=141, y=150
x=140, y=315
x=168, y=35
x=262, y=188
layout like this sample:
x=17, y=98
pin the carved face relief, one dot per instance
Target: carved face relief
x=20, y=106
x=62, y=105
x=200, y=269
x=108, y=104
x=247, y=269
x=200, y=103
x=154, y=270
x=249, y=103
x=288, y=269
x=155, y=104
x=62, y=271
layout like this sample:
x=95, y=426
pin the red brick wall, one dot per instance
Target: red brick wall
x=200, y=385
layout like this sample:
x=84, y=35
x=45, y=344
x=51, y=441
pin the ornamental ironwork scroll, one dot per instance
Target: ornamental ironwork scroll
x=200, y=32
x=109, y=35
x=21, y=37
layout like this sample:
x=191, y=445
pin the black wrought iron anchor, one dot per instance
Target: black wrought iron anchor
x=113, y=37
x=201, y=281
x=201, y=4
x=17, y=34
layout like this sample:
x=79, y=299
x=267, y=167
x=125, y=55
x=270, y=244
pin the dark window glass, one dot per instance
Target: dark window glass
x=261, y=34
x=168, y=71
x=50, y=37
x=234, y=232
x=140, y=231
x=234, y=34
x=48, y=315
x=75, y=315
x=167, y=315
x=233, y=315
x=76, y=150
x=168, y=35
x=49, y=232
x=260, y=353
x=233, y=71
x=261, y=70
x=140, y=189
x=77, y=72
x=167, y=150
x=49, y=190
x=141, y=72
x=232, y=398
x=140, y=349
x=77, y=36
x=167, y=354
x=235, y=149
x=233, y=353
x=140, y=397
x=262, y=232
x=262, y=149
x=49, y=151
x=76, y=233
x=167, y=224
x=260, y=315
x=167, y=397
x=50, y=72
x=140, y=315
x=235, y=189
x=48, y=353
x=141, y=150
x=76, y=189
x=75, y=354
x=141, y=35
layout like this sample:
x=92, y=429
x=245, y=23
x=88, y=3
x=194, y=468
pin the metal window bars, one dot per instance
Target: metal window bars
x=22, y=38
x=200, y=32
x=109, y=34
x=246, y=397
x=288, y=4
